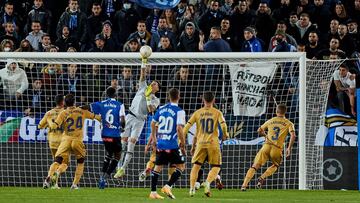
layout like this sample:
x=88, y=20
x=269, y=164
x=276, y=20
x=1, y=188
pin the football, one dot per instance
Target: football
x=145, y=51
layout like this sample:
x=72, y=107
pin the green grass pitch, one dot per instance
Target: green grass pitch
x=36, y=195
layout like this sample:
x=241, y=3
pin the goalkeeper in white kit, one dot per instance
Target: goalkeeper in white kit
x=143, y=103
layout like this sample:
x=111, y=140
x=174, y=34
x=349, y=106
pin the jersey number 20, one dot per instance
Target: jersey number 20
x=165, y=125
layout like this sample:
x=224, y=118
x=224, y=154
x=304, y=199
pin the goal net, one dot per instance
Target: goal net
x=247, y=89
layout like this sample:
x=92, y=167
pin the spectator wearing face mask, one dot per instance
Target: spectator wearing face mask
x=142, y=35
x=126, y=21
x=7, y=46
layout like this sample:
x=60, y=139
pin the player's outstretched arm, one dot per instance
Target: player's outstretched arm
x=43, y=123
x=291, y=143
x=261, y=132
x=193, y=146
x=181, y=135
x=59, y=120
x=142, y=74
x=223, y=126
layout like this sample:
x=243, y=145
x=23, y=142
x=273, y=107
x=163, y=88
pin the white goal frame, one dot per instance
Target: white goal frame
x=104, y=58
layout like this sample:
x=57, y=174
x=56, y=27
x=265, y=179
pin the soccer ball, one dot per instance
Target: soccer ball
x=145, y=51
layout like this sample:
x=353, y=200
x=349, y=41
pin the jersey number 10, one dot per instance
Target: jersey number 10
x=207, y=125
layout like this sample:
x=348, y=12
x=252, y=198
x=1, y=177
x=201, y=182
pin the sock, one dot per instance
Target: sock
x=78, y=173
x=269, y=171
x=171, y=171
x=129, y=154
x=150, y=165
x=53, y=167
x=112, y=166
x=174, y=177
x=212, y=174
x=249, y=175
x=200, y=174
x=154, y=180
x=193, y=175
x=62, y=168
x=123, y=152
x=106, y=164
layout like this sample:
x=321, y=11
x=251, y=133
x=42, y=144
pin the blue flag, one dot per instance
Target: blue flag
x=160, y=4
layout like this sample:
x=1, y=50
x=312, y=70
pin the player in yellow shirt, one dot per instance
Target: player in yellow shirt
x=72, y=119
x=206, y=144
x=277, y=129
x=54, y=135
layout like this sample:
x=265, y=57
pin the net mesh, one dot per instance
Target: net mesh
x=25, y=155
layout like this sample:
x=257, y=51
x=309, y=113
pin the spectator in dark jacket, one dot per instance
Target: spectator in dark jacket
x=346, y=42
x=142, y=35
x=93, y=26
x=8, y=15
x=132, y=45
x=304, y=27
x=282, y=12
x=333, y=32
x=66, y=41
x=189, y=39
x=152, y=21
x=226, y=33
x=111, y=41
x=264, y=23
x=10, y=34
x=110, y=7
x=37, y=96
x=126, y=20
x=251, y=43
x=74, y=19
x=212, y=17
x=354, y=33
x=165, y=44
x=215, y=43
x=162, y=31
x=240, y=19
x=321, y=16
x=45, y=43
x=41, y=14
x=313, y=46
x=99, y=44
x=71, y=82
x=281, y=25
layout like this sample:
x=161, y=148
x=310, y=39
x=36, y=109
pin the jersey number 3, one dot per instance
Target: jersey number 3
x=277, y=132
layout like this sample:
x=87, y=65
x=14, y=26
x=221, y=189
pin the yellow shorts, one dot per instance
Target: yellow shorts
x=267, y=152
x=211, y=154
x=65, y=159
x=71, y=145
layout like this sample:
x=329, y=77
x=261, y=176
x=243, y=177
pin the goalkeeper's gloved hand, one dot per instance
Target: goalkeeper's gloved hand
x=148, y=92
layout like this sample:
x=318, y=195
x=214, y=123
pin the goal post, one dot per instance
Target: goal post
x=295, y=61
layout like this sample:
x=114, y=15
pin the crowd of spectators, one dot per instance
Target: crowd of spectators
x=325, y=29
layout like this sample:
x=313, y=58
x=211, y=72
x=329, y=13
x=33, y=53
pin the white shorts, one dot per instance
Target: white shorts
x=133, y=127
